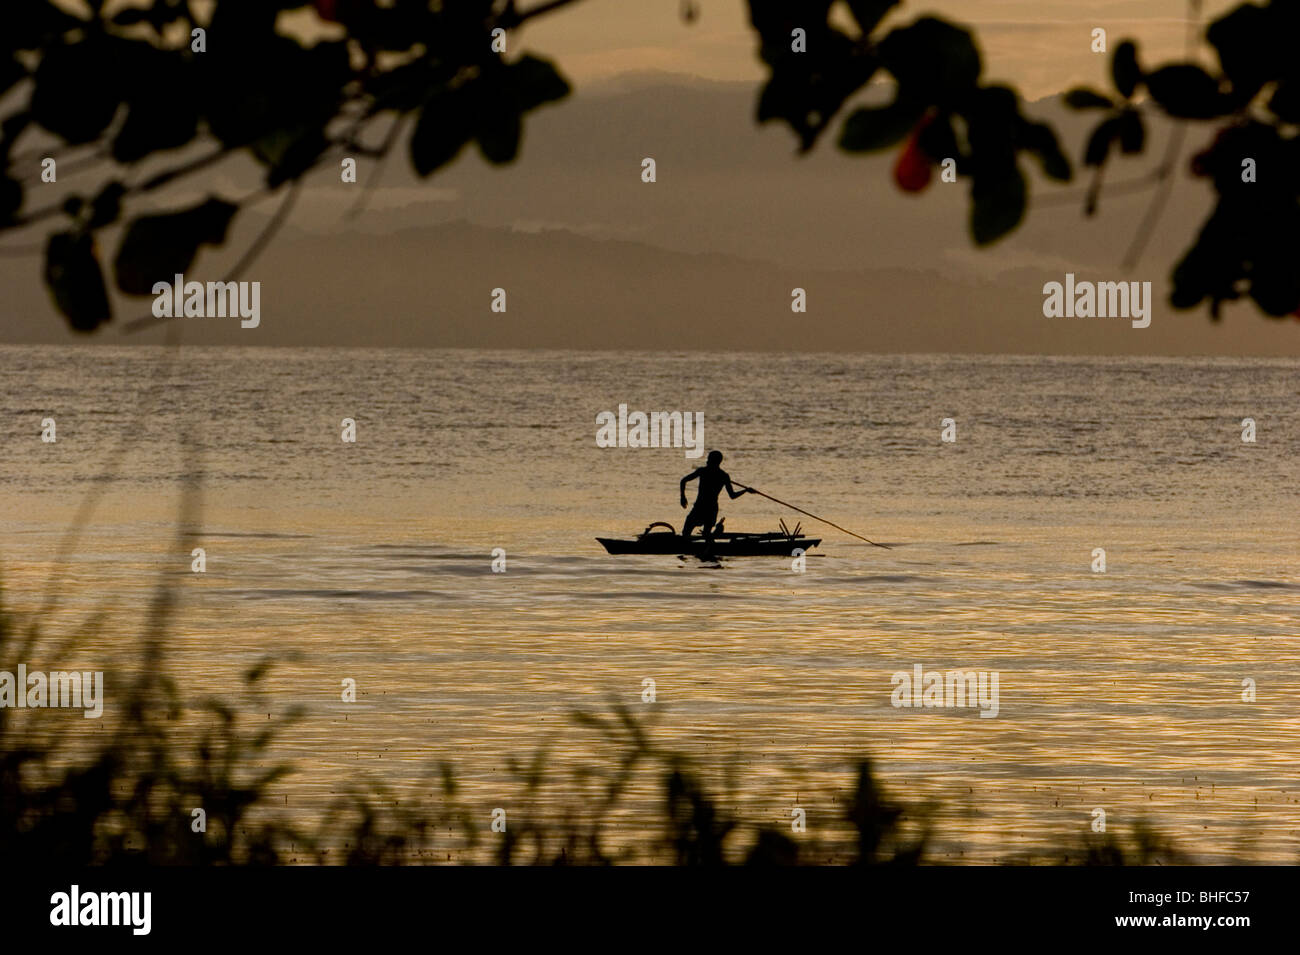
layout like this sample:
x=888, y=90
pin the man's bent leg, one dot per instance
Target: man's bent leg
x=698, y=518
x=707, y=521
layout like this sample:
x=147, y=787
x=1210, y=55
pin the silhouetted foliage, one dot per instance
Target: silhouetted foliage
x=1251, y=241
x=134, y=84
x=1249, y=245
x=128, y=84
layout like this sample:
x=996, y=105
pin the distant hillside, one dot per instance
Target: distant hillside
x=706, y=257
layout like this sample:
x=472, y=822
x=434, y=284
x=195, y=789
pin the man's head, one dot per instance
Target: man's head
x=715, y=458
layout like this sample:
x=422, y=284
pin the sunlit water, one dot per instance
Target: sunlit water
x=1120, y=690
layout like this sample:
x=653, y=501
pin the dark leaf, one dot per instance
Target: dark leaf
x=1125, y=70
x=502, y=95
x=937, y=139
x=1082, y=98
x=162, y=104
x=76, y=281
x=1276, y=290
x=498, y=135
x=1040, y=139
x=257, y=670
x=106, y=207
x=11, y=128
x=1223, y=163
x=1274, y=278
x=998, y=204
x=807, y=90
x=395, y=27
x=131, y=16
x=289, y=152
x=534, y=81
x=993, y=120
x=11, y=199
x=1285, y=102
x=247, y=18
x=775, y=19
x=31, y=24
x=1210, y=268
x=77, y=92
x=869, y=129
x=1132, y=134
x=1189, y=286
x=159, y=247
x=445, y=125
x=149, y=128
x=1186, y=91
x=1100, y=141
x=933, y=61
x=252, y=93
x=1250, y=48
x=11, y=71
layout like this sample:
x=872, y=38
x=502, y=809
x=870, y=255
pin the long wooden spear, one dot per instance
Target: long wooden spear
x=754, y=490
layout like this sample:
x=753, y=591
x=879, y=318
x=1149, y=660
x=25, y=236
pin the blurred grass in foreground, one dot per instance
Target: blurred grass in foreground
x=69, y=798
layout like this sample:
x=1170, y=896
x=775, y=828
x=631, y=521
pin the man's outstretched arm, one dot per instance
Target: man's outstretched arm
x=733, y=493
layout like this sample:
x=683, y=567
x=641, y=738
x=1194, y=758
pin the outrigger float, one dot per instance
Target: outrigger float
x=782, y=543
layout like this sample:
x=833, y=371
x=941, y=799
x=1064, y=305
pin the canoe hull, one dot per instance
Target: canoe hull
x=725, y=545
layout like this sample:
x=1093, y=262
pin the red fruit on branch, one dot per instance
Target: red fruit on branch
x=327, y=9
x=914, y=168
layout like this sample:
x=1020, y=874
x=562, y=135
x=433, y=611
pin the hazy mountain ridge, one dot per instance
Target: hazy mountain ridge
x=706, y=257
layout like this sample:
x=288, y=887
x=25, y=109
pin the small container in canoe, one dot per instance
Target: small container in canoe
x=725, y=544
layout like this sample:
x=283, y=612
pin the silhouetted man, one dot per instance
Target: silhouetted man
x=712, y=480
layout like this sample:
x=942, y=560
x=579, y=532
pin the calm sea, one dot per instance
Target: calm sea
x=371, y=561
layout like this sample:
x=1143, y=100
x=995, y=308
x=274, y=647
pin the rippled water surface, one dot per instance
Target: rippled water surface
x=1119, y=690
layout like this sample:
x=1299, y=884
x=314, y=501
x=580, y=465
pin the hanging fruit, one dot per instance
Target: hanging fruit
x=914, y=168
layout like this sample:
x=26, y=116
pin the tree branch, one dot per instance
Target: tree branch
x=373, y=180
x=511, y=17
x=149, y=185
x=1159, y=200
